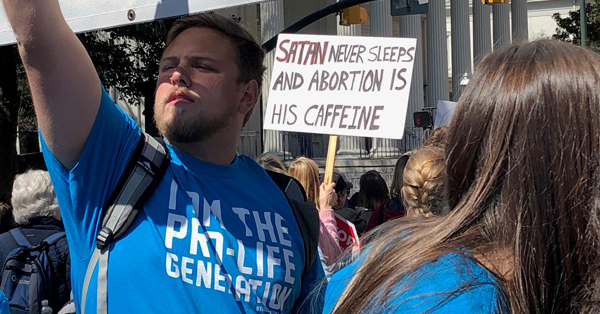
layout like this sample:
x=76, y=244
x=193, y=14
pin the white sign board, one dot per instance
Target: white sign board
x=88, y=15
x=340, y=85
x=443, y=113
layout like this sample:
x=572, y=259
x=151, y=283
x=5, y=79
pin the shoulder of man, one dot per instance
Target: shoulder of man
x=306, y=214
x=289, y=186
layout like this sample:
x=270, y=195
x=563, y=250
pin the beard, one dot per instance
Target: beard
x=191, y=129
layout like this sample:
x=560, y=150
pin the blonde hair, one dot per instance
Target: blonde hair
x=423, y=183
x=437, y=138
x=306, y=171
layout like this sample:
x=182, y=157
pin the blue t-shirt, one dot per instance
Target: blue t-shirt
x=451, y=284
x=4, y=309
x=210, y=239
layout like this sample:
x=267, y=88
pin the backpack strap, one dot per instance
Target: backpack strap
x=20, y=237
x=143, y=172
x=22, y=240
x=306, y=214
x=55, y=237
x=134, y=188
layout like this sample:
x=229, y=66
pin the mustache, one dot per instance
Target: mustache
x=178, y=90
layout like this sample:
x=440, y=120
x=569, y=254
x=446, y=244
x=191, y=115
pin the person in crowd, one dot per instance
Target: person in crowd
x=423, y=183
x=523, y=233
x=7, y=221
x=353, y=200
x=394, y=207
x=36, y=213
x=271, y=162
x=437, y=138
x=209, y=79
x=373, y=192
x=306, y=171
x=342, y=189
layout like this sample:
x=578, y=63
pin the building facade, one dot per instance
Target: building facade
x=451, y=38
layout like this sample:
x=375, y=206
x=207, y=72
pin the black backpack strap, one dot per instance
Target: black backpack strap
x=143, y=172
x=306, y=213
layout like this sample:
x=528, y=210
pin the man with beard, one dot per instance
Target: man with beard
x=217, y=234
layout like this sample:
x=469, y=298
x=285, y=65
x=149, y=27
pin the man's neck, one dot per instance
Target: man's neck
x=219, y=150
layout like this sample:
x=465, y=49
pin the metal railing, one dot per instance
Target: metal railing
x=292, y=145
x=249, y=144
x=297, y=144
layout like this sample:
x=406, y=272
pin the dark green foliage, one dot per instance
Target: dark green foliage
x=569, y=27
x=126, y=58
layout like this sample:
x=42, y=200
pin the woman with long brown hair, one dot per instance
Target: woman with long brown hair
x=522, y=235
x=373, y=193
x=394, y=207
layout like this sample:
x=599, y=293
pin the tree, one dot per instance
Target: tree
x=125, y=58
x=9, y=109
x=569, y=28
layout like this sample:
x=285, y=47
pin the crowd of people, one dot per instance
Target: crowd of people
x=496, y=213
x=417, y=190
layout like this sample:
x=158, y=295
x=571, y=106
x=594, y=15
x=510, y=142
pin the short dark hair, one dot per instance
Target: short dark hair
x=249, y=54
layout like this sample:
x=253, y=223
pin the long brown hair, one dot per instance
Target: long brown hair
x=522, y=153
x=373, y=190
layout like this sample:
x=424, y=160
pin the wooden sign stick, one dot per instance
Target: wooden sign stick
x=330, y=163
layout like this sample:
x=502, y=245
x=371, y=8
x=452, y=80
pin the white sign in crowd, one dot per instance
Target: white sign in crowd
x=340, y=85
x=89, y=15
x=443, y=113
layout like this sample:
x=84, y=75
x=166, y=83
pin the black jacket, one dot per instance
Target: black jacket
x=358, y=218
x=38, y=229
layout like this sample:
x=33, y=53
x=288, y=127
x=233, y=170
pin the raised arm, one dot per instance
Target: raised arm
x=64, y=85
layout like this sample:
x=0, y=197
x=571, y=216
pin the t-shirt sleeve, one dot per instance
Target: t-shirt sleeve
x=84, y=190
x=312, y=293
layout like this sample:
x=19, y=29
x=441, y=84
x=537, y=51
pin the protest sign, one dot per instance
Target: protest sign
x=339, y=85
x=89, y=15
x=347, y=234
x=443, y=113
